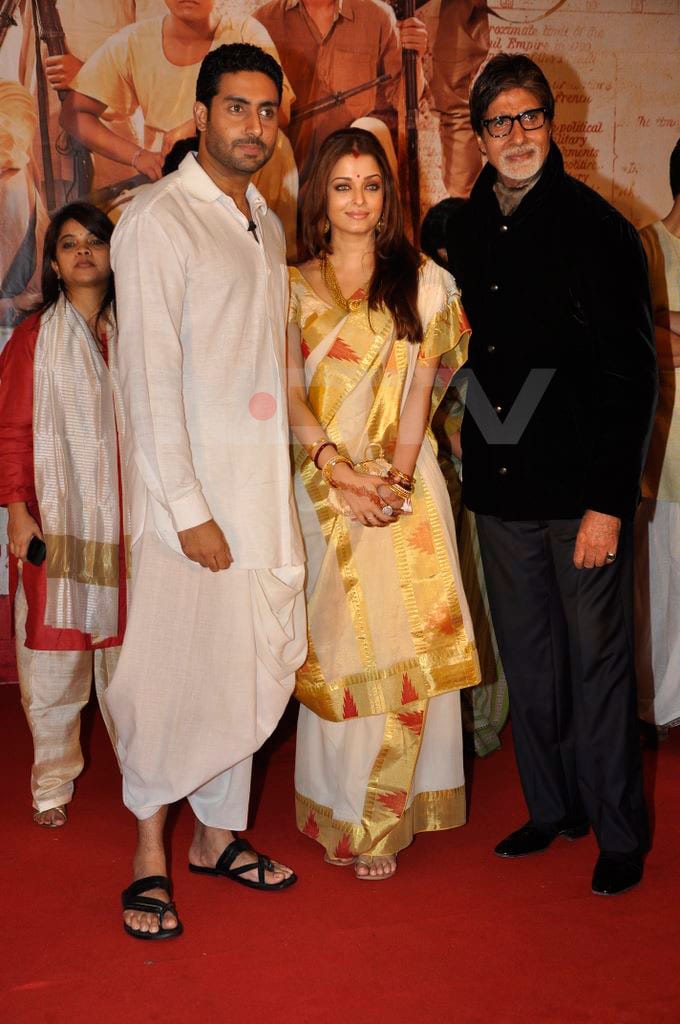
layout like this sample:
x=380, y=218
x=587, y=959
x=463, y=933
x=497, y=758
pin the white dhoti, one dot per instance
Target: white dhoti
x=657, y=611
x=204, y=676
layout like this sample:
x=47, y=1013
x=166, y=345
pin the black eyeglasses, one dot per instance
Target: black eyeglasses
x=530, y=120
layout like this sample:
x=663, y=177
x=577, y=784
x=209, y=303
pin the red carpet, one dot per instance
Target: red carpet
x=459, y=936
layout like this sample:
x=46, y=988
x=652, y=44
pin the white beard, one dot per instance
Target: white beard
x=522, y=170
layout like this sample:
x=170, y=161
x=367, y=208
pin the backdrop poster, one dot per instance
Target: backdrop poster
x=612, y=64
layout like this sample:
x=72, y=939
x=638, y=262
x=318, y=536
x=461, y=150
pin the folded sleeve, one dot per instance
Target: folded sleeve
x=446, y=331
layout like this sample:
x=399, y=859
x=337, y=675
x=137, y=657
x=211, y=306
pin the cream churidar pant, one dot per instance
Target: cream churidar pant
x=55, y=687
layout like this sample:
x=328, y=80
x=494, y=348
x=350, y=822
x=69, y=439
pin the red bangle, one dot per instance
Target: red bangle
x=321, y=449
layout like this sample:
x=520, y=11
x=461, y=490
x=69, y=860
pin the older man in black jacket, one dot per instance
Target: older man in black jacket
x=559, y=413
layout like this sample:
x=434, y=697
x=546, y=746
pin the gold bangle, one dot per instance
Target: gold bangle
x=311, y=448
x=400, y=478
x=400, y=491
x=327, y=471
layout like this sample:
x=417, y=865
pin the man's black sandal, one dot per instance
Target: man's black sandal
x=262, y=863
x=133, y=900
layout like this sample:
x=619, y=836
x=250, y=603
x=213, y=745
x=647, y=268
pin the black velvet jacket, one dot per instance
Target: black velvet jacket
x=560, y=284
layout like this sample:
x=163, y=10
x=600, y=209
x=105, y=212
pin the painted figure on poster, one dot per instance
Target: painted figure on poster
x=334, y=52
x=22, y=212
x=86, y=27
x=153, y=65
x=554, y=277
x=217, y=620
x=460, y=45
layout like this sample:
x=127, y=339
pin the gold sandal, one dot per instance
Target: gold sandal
x=52, y=824
x=366, y=861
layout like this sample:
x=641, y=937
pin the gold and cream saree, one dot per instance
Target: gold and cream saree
x=379, y=750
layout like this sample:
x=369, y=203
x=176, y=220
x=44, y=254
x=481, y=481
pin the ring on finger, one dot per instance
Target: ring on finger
x=611, y=557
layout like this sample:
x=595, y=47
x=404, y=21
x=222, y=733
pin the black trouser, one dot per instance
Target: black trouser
x=565, y=639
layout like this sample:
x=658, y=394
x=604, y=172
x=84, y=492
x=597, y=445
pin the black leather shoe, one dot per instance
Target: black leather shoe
x=612, y=877
x=572, y=832
x=532, y=839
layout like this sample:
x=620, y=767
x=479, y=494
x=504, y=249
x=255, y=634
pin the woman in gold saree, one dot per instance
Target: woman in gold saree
x=376, y=331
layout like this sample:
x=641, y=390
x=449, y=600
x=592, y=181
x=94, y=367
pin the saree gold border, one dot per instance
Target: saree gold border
x=85, y=561
x=329, y=386
x=422, y=571
x=392, y=775
x=378, y=691
x=382, y=830
x=434, y=811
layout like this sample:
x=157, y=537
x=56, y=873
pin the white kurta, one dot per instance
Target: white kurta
x=208, y=660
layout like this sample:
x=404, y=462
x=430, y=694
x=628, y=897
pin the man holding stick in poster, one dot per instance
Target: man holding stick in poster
x=337, y=50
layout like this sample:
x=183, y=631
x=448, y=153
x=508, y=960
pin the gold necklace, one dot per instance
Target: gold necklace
x=330, y=279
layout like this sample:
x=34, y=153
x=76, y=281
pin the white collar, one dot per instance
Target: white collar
x=200, y=185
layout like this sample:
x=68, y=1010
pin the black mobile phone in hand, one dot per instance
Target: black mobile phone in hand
x=37, y=551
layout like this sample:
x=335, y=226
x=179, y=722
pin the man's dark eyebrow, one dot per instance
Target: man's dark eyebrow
x=249, y=103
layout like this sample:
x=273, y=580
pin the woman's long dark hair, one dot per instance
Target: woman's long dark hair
x=94, y=221
x=394, y=284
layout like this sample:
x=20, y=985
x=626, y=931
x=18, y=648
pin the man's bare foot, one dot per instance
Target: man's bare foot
x=149, y=859
x=55, y=817
x=209, y=844
x=375, y=869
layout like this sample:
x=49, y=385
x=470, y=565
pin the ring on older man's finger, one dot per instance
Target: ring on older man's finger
x=387, y=510
x=611, y=555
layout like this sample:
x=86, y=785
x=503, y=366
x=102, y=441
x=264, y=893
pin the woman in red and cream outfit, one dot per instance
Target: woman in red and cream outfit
x=60, y=421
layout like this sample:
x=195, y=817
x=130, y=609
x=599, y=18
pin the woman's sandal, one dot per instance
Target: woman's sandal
x=133, y=900
x=262, y=863
x=366, y=861
x=52, y=824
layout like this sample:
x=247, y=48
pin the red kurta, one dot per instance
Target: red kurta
x=17, y=484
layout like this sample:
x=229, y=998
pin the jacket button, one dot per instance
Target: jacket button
x=494, y=287
x=503, y=471
x=491, y=349
x=504, y=227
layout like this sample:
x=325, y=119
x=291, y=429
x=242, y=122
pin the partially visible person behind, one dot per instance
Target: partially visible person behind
x=379, y=746
x=484, y=707
x=434, y=229
x=657, y=618
x=180, y=149
x=562, y=352
x=60, y=418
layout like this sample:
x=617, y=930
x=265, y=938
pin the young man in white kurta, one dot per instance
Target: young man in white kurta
x=209, y=657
